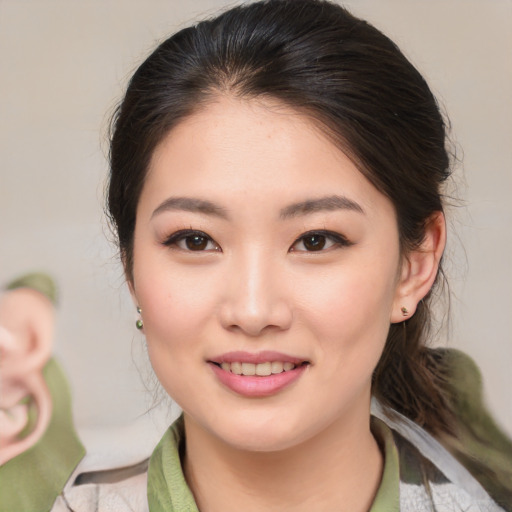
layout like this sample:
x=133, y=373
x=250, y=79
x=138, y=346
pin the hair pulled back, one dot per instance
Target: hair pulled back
x=354, y=82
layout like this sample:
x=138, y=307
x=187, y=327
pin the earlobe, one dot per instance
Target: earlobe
x=419, y=269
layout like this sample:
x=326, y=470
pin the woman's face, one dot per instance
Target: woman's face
x=259, y=247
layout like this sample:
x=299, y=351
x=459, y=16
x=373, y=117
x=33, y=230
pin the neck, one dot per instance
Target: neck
x=339, y=469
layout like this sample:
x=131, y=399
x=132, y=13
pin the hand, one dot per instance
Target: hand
x=27, y=319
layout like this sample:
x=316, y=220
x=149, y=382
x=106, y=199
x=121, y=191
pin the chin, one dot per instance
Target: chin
x=263, y=442
x=254, y=433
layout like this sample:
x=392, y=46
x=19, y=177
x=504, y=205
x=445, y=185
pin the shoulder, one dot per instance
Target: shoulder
x=114, y=473
x=445, y=498
x=478, y=442
x=430, y=477
x=123, y=489
x=425, y=486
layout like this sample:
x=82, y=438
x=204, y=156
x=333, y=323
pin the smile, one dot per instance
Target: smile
x=257, y=375
x=261, y=369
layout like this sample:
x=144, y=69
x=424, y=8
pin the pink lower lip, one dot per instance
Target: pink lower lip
x=255, y=386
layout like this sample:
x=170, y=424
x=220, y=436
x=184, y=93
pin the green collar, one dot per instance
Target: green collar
x=33, y=480
x=388, y=495
x=168, y=491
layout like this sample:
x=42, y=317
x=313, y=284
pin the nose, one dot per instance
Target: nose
x=255, y=300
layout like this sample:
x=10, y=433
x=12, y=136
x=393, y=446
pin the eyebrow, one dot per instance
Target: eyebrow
x=190, y=204
x=327, y=203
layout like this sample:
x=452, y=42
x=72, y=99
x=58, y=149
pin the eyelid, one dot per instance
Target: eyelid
x=177, y=236
x=338, y=239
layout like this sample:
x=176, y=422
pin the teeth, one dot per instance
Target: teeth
x=260, y=369
x=248, y=369
x=264, y=369
x=236, y=368
x=277, y=367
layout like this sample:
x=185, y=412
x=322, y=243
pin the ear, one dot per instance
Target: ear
x=419, y=269
x=26, y=337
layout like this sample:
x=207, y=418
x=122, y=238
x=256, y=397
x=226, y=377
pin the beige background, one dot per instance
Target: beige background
x=63, y=65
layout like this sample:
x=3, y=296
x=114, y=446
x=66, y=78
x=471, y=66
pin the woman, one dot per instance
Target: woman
x=275, y=185
x=276, y=179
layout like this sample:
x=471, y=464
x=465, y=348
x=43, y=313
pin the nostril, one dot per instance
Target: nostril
x=255, y=313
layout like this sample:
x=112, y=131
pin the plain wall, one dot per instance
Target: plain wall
x=63, y=66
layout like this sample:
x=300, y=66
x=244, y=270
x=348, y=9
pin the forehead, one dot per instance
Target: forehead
x=255, y=148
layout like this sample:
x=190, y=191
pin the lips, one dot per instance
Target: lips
x=257, y=375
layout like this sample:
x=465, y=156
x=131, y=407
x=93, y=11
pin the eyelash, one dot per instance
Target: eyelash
x=324, y=236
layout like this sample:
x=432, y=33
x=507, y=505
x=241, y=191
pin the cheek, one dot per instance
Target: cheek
x=348, y=300
x=176, y=312
x=174, y=304
x=349, y=312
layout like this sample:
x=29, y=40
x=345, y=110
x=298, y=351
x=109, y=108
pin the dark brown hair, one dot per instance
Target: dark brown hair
x=318, y=59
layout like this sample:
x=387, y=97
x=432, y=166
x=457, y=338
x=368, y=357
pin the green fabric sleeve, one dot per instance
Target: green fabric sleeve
x=479, y=443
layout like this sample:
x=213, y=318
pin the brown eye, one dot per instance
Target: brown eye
x=196, y=242
x=314, y=242
x=317, y=241
x=191, y=240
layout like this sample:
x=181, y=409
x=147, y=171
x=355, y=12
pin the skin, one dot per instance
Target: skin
x=255, y=285
x=27, y=320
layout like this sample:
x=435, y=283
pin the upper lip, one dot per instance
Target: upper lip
x=256, y=357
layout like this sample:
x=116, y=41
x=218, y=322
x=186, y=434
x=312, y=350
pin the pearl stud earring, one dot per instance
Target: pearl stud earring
x=139, y=323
